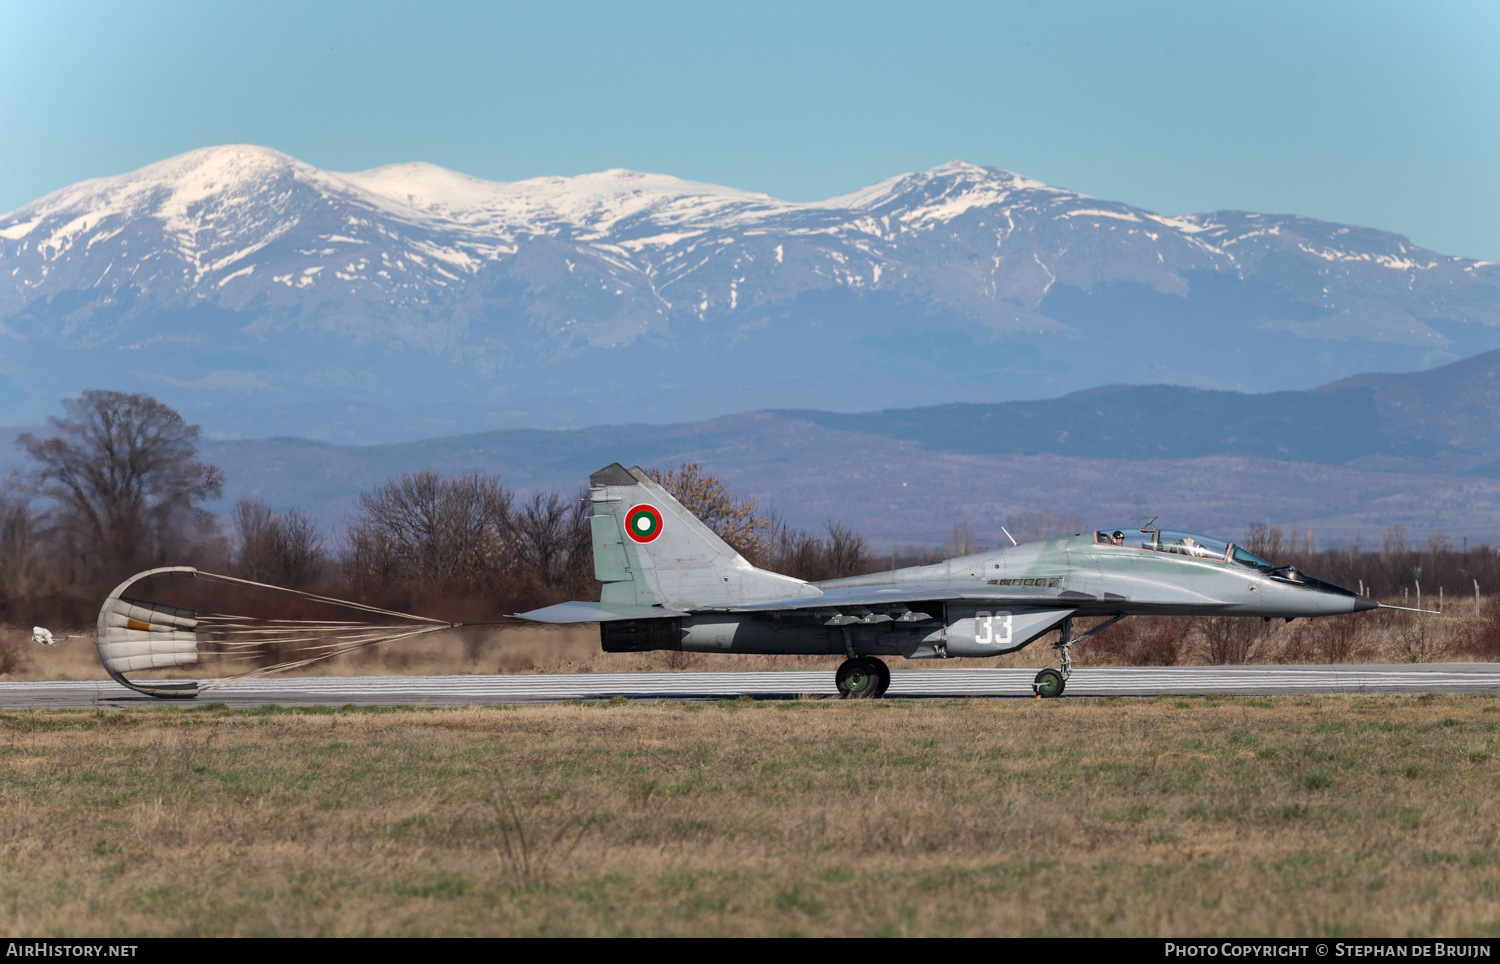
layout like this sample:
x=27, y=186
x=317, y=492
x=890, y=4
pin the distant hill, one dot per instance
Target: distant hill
x=1349, y=460
x=261, y=295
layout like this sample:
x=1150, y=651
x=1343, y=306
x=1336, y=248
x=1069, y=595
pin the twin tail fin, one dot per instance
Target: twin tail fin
x=650, y=551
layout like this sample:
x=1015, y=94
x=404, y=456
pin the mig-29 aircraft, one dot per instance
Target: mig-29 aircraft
x=670, y=583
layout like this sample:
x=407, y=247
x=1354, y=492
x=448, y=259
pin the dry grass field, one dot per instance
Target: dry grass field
x=1282, y=816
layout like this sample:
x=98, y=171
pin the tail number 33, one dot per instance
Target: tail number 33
x=992, y=629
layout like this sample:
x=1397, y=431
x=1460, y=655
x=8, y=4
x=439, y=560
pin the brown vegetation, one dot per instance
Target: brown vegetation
x=1138, y=641
x=15, y=652
x=282, y=550
x=1280, y=817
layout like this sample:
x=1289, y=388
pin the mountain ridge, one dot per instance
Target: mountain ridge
x=236, y=279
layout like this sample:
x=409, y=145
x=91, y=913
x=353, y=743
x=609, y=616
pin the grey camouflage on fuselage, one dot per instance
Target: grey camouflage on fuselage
x=678, y=586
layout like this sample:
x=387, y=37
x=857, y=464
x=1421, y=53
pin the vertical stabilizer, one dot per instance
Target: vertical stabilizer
x=650, y=551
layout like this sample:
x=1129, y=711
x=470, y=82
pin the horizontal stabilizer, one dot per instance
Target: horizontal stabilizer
x=592, y=612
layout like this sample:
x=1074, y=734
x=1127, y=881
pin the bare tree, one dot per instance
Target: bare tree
x=421, y=528
x=735, y=520
x=543, y=526
x=847, y=553
x=798, y=553
x=1267, y=541
x=579, y=574
x=963, y=541
x=793, y=552
x=23, y=572
x=1394, y=543
x=284, y=550
x=123, y=476
x=1232, y=639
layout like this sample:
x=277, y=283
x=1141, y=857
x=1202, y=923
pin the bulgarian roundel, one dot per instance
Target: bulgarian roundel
x=643, y=523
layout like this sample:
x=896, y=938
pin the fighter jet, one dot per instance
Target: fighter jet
x=670, y=583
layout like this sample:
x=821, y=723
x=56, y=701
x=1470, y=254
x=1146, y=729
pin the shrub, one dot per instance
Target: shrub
x=1232, y=639
x=1484, y=641
x=1137, y=641
x=13, y=651
x=1332, y=639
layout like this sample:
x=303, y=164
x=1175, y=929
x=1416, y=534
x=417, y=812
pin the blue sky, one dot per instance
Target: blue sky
x=1379, y=114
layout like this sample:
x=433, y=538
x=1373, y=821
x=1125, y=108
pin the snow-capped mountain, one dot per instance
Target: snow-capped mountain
x=239, y=282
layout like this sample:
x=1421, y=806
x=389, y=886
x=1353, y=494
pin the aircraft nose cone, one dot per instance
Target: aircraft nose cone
x=1361, y=604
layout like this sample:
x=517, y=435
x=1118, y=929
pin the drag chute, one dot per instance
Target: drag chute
x=135, y=635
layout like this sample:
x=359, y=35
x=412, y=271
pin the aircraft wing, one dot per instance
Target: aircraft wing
x=1019, y=596
x=886, y=595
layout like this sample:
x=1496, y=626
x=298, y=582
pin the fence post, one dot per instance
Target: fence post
x=1418, y=584
x=1440, y=599
x=1476, y=597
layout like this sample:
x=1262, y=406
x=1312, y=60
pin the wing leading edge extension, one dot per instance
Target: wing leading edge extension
x=862, y=596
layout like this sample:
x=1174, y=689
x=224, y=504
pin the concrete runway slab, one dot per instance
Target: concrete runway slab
x=911, y=684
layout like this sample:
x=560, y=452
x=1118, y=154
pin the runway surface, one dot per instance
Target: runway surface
x=911, y=684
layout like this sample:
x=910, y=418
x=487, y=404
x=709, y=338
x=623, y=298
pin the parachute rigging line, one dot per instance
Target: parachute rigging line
x=135, y=635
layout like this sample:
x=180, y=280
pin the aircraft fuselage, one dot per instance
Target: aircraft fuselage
x=1010, y=597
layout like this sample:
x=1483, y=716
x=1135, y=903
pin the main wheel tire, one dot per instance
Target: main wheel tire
x=857, y=679
x=1049, y=683
x=882, y=675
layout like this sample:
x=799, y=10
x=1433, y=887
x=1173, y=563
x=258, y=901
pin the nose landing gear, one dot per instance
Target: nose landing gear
x=1049, y=683
x=863, y=678
x=1052, y=681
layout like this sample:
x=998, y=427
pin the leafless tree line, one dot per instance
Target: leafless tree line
x=119, y=488
x=467, y=536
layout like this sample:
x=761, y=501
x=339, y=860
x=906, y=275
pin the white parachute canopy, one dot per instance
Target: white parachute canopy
x=43, y=635
x=136, y=635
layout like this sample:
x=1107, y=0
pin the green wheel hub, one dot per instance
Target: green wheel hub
x=858, y=679
x=1049, y=683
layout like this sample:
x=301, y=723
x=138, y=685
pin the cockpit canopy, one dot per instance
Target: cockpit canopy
x=1189, y=544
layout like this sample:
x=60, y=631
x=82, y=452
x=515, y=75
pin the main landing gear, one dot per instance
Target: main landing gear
x=1053, y=680
x=863, y=678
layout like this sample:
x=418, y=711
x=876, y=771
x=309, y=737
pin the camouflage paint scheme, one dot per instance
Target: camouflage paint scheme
x=675, y=585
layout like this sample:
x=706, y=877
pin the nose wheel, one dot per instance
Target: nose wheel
x=1053, y=680
x=1049, y=683
x=863, y=678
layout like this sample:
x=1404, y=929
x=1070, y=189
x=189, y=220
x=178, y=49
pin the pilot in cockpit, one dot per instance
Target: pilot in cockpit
x=1118, y=537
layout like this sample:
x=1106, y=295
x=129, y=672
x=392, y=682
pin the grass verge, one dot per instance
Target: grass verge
x=1329, y=816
